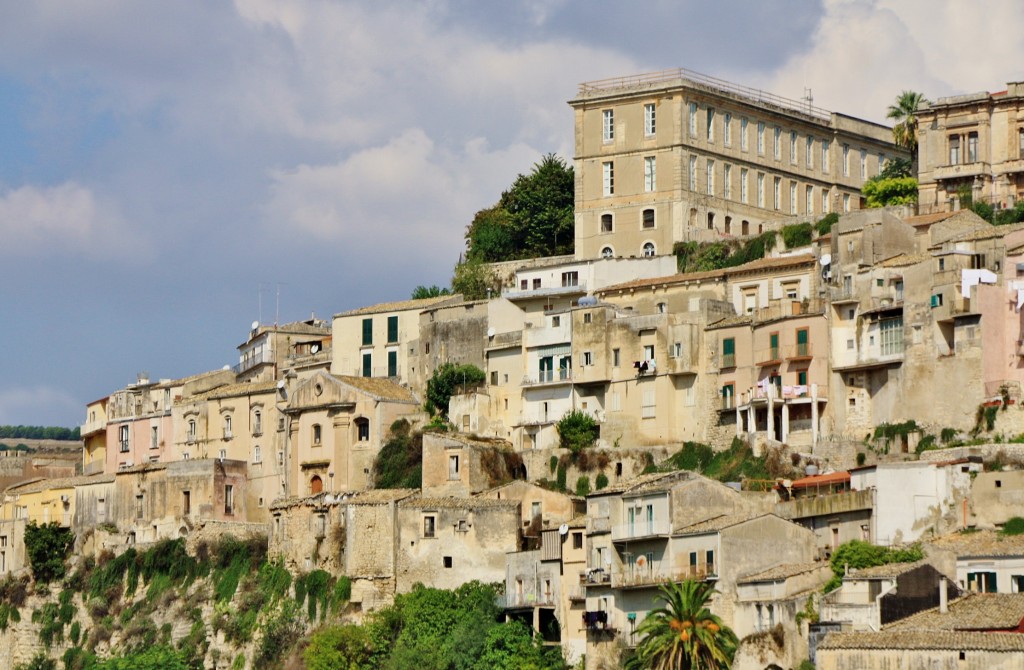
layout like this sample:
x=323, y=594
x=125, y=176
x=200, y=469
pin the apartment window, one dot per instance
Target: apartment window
x=792, y=197
x=1020, y=143
x=711, y=124
x=429, y=523
x=607, y=252
x=891, y=331
x=280, y=459
x=777, y=147
x=863, y=164
x=727, y=129
x=556, y=321
x=693, y=173
x=227, y=427
x=229, y=499
x=525, y=283
x=190, y=436
x=728, y=225
x=648, y=218
x=615, y=358
x=954, y=149
x=648, y=250
x=650, y=178
x=577, y=540
x=367, y=332
x=453, y=467
x=846, y=160
x=693, y=119
x=711, y=177
x=608, y=133
x=648, y=409
x=588, y=358
x=123, y=432
x=257, y=423
x=760, y=189
x=362, y=429
x=743, y=134
x=972, y=147
x=846, y=202
x=729, y=352
x=760, y=138
x=809, y=201
x=792, y=147
x=809, y=154
x=826, y=145
x=570, y=278
x=536, y=283
x=494, y=378
x=257, y=455
x=186, y=502
x=608, y=170
x=824, y=201
x=223, y=454
x=316, y=433
x=881, y=163
x=777, y=193
x=587, y=318
x=154, y=437
x=607, y=226
x=711, y=220
x=140, y=506
x=727, y=181
x=649, y=119
x=392, y=329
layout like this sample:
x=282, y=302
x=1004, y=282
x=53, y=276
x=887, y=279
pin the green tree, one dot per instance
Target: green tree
x=577, y=430
x=346, y=647
x=510, y=646
x=475, y=280
x=889, y=192
x=683, y=633
x=904, y=129
x=422, y=292
x=446, y=380
x=858, y=554
x=47, y=547
x=151, y=658
x=493, y=236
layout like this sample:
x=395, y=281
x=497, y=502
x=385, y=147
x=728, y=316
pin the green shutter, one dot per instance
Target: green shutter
x=392, y=329
x=801, y=337
x=392, y=364
x=728, y=346
x=367, y=370
x=367, y=331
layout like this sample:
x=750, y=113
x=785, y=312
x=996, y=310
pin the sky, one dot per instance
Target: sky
x=171, y=172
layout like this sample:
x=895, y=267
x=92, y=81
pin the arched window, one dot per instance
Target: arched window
x=648, y=250
x=607, y=223
x=227, y=426
x=257, y=422
x=745, y=228
x=316, y=485
x=607, y=252
x=191, y=435
x=728, y=225
x=648, y=218
x=363, y=429
x=316, y=433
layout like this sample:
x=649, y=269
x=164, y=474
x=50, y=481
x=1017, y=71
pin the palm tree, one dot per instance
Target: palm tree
x=904, y=130
x=683, y=634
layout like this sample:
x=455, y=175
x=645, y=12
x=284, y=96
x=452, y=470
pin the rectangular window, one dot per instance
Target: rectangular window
x=649, y=119
x=647, y=219
x=825, y=155
x=760, y=189
x=954, y=149
x=153, y=437
x=649, y=173
x=608, y=126
x=809, y=201
x=777, y=147
x=392, y=329
x=648, y=408
x=825, y=209
x=792, y=197
x=140, y=506
x=428, y=526
x=792, y=147
x=729, y=352
x=778, y=193
x=846, y=160
x=760, y=138
x=846, y=202
x=728, y=396
x=693, y=173
x=743, y=135
x=711, y=177
x=891, y=331
x=972, y=147
x=123, y=432
x=727, y=129
x=588, y=358
x=863, y=164
x=809, y=155
x=608, y=170
x=367, y=367
x=392, y=364
x=367, y=332
x=453, y=467
x=881, y=163
x=743, y=186
x=727, y=181
x=571, y=278
x=711, y=124
x=693, y=119
x=257, y=455
x=186, y=502
x=577, y=540
x=615, y=358
x=803, y=347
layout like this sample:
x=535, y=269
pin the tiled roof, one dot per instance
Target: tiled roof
x=735, y=320
x=753, y=266
x=927, y=219
x=170, y=383
x=887, y=571
x=972, y=611
x=925, y=640
x=381, y=388
x=986, y=233
x=578, y=522
x=451, y=502
x=716, y=524
x=821, y=480
x=780, y=572
x=379, y=496
x=400, y=306
x=235, y=390
x=903, y=260
x=981, y=543
x=58, y=483
x=648, y=481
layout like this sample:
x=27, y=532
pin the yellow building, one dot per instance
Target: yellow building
x=94, y=436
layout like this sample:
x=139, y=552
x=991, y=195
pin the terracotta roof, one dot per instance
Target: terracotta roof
x=652, y=478
x=903, y=260
x=925, y=640
x=887, y=571
x=780, y=572
x=986, y=233
x=821, y=480
x=170, y=383
x=378, y=496
x=980, y=543
x=578, y=522
x=235, y=390
x=735, y=320
x=451, y=502
x=682, y=278
x=717, y=523
x=401, y=305
x=381, y=388
x=970, y=612
x=927, y=219
x=57, y=483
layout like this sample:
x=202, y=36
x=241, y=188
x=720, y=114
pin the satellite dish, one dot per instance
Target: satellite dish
x=490, y=332
x=226, y=367
x=563, y=529
x=255, y=325
x=328, y=499
x=825, y=259
x=641, y=561
x=315, y=348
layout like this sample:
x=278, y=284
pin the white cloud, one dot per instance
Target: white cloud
x=31, y=406
x=68, y=219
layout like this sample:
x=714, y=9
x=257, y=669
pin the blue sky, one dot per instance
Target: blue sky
x=160, y=162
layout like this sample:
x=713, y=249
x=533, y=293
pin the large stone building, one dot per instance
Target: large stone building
x=677, y=155
x=971, y=144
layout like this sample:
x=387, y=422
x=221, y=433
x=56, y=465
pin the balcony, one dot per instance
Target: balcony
x=727, y=361
x=249, y=362
x=961, y=171
x=511, y=601
x=560, y=376
x=843, y=294
x=595, y=577
x=92, y=427
x=801, y=351
x=639, y=578
x=227, y=434
x=640, y=530
x=768, y=357
x=825, y=505
x=727, y=402
x=580, y=288
x=598, y=524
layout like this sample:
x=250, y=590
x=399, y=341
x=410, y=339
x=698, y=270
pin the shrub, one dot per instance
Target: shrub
x=560, y=478
x=825, y=223
x=446, y=380
x=947, y=435
x=577, y=430
x=602, y=481
x=1013, y=526
x=797, y=235
x=583, y=486
x=553, y=463
x=859, y=554
x=47, y=547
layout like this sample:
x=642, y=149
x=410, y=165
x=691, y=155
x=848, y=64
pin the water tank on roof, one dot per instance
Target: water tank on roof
x=811, y=470
x=587, y=301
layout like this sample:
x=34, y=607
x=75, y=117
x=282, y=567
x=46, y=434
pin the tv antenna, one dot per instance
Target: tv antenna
x=809, y=99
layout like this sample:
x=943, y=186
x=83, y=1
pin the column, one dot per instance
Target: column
x=814, y=417
x=785, y=421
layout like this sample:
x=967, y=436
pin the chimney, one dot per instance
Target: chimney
x=943, y=596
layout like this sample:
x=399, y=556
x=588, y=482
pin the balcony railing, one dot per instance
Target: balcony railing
x=250, y=362
x=549, y=377
x=728, y=361
x=799, y=350
x=518, y=600
x=595, y=577
x=641, y=578
x=640, y=528
x=770, y=356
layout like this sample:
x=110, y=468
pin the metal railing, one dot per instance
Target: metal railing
x=549, y=377
x=640, y=528
x=252, y=361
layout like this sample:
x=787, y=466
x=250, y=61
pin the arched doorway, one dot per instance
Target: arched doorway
x=316, y=485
